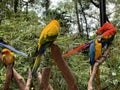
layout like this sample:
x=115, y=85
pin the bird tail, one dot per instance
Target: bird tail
x=98, y=79
x=81, y=47
x=36, y=64
x=13, y=49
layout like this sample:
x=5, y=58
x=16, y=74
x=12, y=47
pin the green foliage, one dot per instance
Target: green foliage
x=22, y=32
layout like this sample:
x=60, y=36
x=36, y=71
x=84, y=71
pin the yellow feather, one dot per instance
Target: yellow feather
x=49, y=33
x=51, y=29
x=98, y=49
x=98, y=53
x=8, y=56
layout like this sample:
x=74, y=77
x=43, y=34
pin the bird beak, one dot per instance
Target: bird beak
x=99, y=38
x=13, y=49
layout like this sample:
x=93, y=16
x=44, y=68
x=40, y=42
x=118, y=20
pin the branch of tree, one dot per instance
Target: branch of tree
x=39, y=78
x=95, y=4
x=63, y=66
x=9, y=73
x=91, y=16
x=45, y=78
x=27, y=87
x=20, y=80
x=96, y=66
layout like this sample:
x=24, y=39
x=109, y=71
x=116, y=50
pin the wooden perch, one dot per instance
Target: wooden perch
x=95, y=68
x=27, y=87
x=45, y=78
x=20, y=80
x=39, y=78
x=62, y=65
x=9, y=73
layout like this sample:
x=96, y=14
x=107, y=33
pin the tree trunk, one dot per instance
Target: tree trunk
x=77, y=15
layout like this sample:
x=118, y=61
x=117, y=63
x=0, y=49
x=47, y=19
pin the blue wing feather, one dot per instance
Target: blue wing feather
x=13, y=49
x=92, y=53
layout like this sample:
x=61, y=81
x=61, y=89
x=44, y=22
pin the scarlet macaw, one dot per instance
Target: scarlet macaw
x=5, y=45
x=105, y=37
x=7, y=57
x=107, y=32
x=47, y=37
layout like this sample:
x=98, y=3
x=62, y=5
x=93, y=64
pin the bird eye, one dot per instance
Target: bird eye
x=2, y=53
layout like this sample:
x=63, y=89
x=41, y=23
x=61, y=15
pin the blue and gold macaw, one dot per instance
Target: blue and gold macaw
x=47, y=37
x=4, y=44
x=95, y=53
x=105, y=37
x=7, y=57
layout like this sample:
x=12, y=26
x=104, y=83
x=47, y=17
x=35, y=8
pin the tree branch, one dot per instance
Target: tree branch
x=62, y=65
x=27, y=87
x=20, y=80
x=9, y=73
x=95, y=4
x=39, y=78
x=45, y=78
x=96, y=66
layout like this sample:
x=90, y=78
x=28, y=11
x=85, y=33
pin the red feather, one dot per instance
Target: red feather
x=81, y=47
x=107, y=30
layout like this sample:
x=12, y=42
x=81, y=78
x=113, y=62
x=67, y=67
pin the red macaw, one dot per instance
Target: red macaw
x=107, y=32
x=7, y=57
x=105, y=37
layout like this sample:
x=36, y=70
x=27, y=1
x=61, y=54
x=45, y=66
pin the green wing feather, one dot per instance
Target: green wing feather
x=36, y=64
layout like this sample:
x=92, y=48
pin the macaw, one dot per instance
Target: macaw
x=47, y=37
x=5, y=45
x=81, y=47
x=7, y=57
x=107, y=33
x=95, y=50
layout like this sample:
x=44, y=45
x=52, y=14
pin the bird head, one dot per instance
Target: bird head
x=6, y=52
x=100, y=38
x=56, y=23
x=7, y=57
